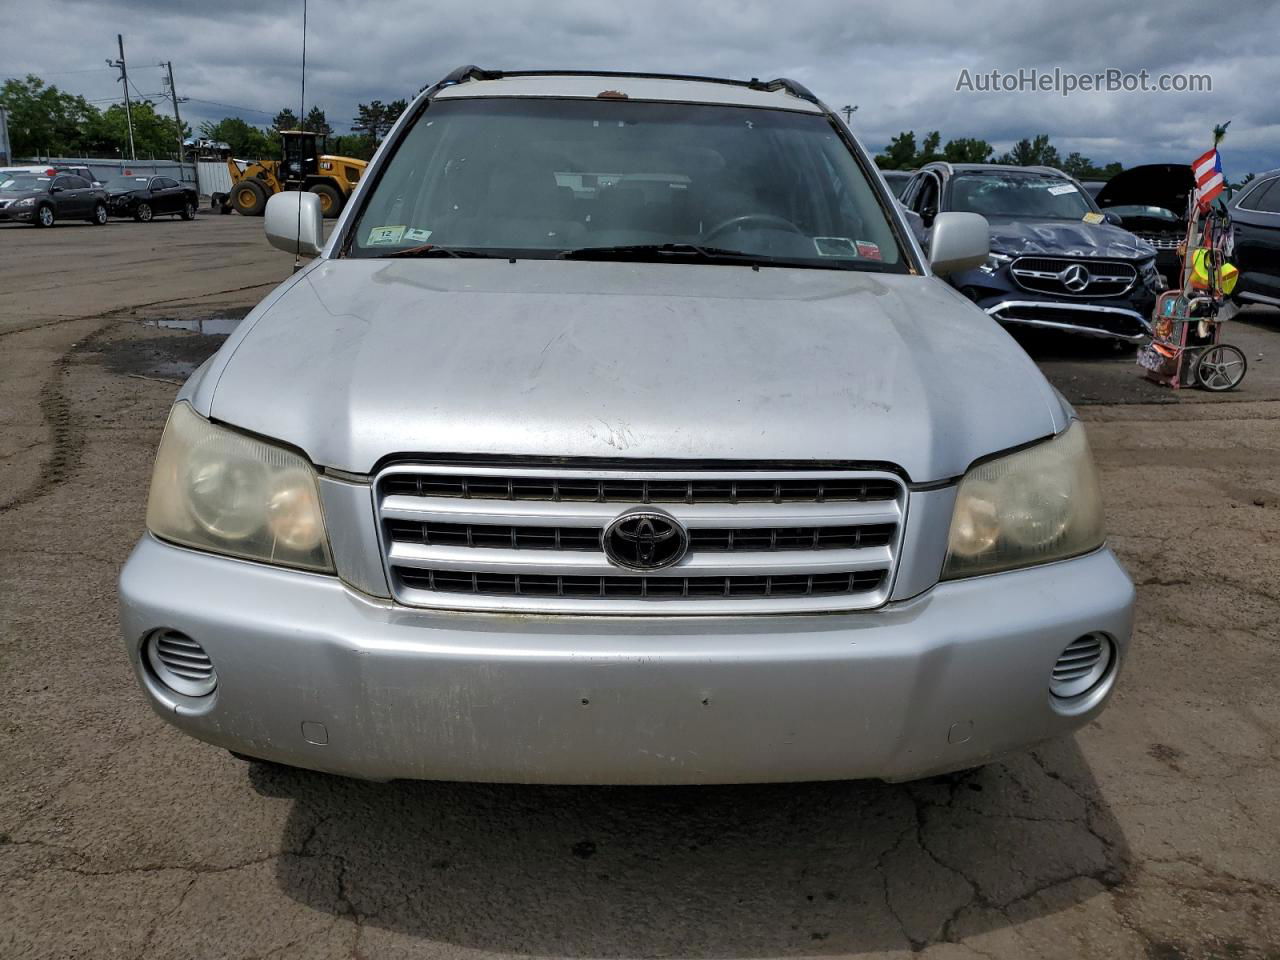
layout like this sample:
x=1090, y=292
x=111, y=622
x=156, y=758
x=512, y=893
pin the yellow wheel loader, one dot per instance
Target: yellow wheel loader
x=330, y=178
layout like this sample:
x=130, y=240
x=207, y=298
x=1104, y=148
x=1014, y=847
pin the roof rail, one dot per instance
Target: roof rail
x=472, y=72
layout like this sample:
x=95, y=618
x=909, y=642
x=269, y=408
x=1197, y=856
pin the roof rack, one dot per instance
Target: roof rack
x=472, y=72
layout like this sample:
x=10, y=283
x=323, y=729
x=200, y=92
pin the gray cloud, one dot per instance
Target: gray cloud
x=899, y=61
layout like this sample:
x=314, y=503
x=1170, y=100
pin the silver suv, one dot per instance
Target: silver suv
x=622, y=433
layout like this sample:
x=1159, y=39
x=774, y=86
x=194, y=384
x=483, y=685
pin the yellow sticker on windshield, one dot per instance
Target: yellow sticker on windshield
x=1092, y=217
x=386, y=234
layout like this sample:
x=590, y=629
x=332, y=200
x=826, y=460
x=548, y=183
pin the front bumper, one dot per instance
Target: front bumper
x=314, y=674
x=12, y=214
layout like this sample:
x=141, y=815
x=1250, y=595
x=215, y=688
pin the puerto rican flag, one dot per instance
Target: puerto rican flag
x=1209, y=179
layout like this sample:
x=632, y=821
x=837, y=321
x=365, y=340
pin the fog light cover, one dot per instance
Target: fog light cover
x=180, y=663
x=1081, y=666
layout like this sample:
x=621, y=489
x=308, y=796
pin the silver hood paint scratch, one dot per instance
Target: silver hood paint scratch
x=355, y=360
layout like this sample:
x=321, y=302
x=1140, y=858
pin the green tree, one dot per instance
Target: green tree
x=155, y=135
x=967, y=150
x=286, y=119
x=44, y=120
x=900, y=154
x=374, y=119
x=245, y=140
x=1032, y=153
x=317, y=123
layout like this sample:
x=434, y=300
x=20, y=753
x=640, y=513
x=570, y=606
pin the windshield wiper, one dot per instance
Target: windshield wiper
x=434, y=250
x=661, y=251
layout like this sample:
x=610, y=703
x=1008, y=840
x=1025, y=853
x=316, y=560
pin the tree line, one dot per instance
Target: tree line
x=46, y=121
x=903, y=153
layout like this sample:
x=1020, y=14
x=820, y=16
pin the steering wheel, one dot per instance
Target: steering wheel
x=769, y=219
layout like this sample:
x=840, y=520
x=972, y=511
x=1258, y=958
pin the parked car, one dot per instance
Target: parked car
x=1255, y=218
x=897, y=180
x=42, y=200
x=46, y=170
x=1151, y=202
x=1055, y=262
x=145, y=198
x=603, y=442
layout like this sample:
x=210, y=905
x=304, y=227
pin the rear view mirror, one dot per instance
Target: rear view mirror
x=960, y=241
x=294, y=223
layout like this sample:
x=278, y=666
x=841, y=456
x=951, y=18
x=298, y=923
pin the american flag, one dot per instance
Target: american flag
x=1209, y=179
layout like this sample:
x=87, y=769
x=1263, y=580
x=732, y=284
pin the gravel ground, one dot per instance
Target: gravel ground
x=1150, y=834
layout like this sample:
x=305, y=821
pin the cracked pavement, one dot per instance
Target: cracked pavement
x=1151, y=834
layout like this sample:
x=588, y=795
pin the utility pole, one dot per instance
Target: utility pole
x=848, y=110
x=173, y=92
x=124, y=78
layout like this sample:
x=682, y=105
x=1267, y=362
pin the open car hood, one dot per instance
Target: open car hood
x=1154, y=185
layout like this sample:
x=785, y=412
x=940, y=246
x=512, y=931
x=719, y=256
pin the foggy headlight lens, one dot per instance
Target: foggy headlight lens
x=1033, y=506
x=218, y=490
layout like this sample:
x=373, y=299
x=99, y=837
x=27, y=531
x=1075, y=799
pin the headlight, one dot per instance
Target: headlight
x=1033, y=506
x=215, y=489
x=29, y=202
x=994, y=262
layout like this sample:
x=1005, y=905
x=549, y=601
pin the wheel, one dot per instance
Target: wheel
x=330, y=200
x=765, y=219
x=1219, y=368
x=188, y=210
x=249, y=198
x=44, y=217
x=99, y=214
x=144, y=213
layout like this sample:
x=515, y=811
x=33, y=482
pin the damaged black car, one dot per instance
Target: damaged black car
x=1151, y=202
x=1057, y=261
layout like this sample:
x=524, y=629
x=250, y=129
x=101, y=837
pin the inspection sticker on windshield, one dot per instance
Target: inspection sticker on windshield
x=869, y=250
x=417, y=235
x=386, y=234
x=1092, y=217
x=1062, y=188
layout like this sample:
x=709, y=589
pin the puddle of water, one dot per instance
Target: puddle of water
x=215, y=325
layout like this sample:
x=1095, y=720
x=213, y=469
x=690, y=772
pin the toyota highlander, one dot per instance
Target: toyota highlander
x=621, y=432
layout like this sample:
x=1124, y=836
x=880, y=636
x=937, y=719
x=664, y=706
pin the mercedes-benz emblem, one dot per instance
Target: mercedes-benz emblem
x=644, y=540
x=1075, y=278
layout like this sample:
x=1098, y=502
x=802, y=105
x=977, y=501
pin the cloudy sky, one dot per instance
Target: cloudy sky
x=898, y=61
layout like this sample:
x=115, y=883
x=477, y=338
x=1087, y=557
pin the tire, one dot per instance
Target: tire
x=249, y=198
x=100, y=214
x=44, y=217
x=1219, y=368
x=188, y=210
x=144, y=213
x=331, y=200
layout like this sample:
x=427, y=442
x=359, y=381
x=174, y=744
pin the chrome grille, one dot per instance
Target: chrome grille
x=1162, y=241
x=485, y=538
x=1102, y=278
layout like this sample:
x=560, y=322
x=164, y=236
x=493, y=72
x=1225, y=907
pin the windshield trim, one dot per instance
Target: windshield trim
x=912, y=260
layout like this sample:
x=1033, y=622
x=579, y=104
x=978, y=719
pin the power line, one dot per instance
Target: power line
x=232, y=106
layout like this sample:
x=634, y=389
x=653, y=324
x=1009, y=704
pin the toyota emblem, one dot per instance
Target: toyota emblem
x=644, y=540
x=1075, y=278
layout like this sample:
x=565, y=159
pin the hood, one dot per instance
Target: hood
x=358, y=360
x=1065, y=238
x=1154, y=185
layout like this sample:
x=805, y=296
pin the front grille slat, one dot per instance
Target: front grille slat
x=531, y=539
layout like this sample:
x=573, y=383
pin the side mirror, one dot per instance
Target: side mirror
x=1112, y=217
x=927, y=216
x=294, y=223
x=960, y=241
x=55, y=189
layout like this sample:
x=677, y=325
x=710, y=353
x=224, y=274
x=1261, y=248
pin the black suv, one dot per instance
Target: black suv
x=1255, y=219
x=43, y=200
x=1057, y=262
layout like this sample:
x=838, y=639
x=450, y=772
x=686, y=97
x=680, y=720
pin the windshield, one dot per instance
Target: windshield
x=1023, y=195
x=127, y=183
x=25, y=184
x=562, y=177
